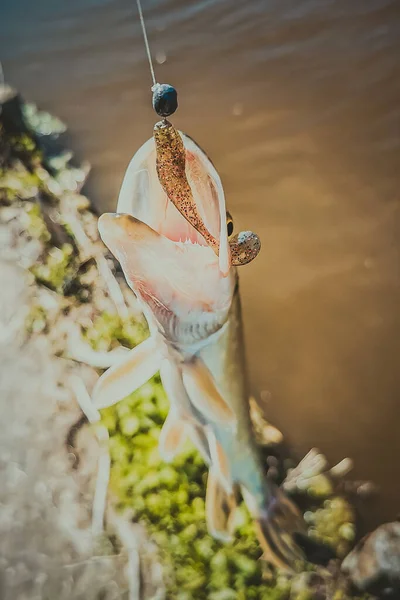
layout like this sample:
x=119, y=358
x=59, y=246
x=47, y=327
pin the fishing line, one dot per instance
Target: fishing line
x=165, y=98
x=146, y=42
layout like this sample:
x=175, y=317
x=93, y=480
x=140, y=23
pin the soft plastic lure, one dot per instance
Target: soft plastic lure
x=171, y=170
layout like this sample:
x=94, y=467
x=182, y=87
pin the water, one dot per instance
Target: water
x=298, y=105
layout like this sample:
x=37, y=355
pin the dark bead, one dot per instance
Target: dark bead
x=165, y=99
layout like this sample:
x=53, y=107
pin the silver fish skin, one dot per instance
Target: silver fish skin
x=276, y=517
x=225, y=358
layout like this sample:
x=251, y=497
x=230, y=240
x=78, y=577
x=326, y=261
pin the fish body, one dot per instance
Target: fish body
x=225, y=358
x=196, y=341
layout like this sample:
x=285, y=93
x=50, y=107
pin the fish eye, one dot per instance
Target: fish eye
x=229, y=224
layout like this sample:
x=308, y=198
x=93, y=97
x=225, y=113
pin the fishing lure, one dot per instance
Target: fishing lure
x=174, y=240
x=171, y=171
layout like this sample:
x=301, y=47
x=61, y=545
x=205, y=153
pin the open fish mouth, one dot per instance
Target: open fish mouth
x=176, y=279
x=166, y=261
x=173, y=187
x=143, y=196
x=172, y=205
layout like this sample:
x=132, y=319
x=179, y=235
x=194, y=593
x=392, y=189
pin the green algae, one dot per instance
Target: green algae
x=17, y=184
x=24, y=146
x=109, y=330
x=333, y=524
x=58, y=269
x=36, y=226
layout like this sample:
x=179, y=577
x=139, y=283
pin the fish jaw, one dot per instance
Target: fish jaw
x=143, y=196
x=180, y=281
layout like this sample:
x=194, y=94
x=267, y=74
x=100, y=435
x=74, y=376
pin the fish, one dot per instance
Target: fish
x=174, y=241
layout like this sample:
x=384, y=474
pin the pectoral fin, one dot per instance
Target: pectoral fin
x=219, y=462
x=172, y=437
x=204, y=394
x=200, y=442
x=171, y=378
x=219, y=506
x=135, y=368
x=181, y=409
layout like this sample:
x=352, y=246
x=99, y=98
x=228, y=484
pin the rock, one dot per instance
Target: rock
x=374, y=564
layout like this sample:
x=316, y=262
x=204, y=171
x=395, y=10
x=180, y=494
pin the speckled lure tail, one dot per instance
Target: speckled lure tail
x=171, y=161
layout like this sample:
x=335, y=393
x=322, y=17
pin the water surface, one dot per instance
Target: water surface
x=298, y=104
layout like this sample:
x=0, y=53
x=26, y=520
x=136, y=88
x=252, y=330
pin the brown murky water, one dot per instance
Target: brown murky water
x=298, y=104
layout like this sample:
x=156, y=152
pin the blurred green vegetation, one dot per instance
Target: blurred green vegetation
x=333, y=524
x=109, y=330
x=169, y=500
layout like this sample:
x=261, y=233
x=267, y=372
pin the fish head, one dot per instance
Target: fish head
x=166, y=262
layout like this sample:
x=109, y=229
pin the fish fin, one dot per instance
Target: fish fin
x=172, y=437
x=135, y=368
x=219, y=461
x=276, y=527
x=171, y=378
x=219, y=506
x=203, y=393
x=200, y=442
